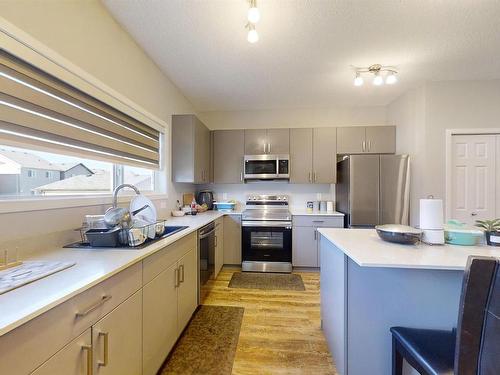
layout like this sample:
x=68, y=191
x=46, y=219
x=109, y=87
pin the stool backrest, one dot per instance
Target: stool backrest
x=489, y=357
x=476, y=287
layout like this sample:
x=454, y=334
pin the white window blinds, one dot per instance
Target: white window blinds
x=39, y=110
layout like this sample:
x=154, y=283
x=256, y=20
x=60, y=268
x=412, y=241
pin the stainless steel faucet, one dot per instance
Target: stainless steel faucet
x=118, y=188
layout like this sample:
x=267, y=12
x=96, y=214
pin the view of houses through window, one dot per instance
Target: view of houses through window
x=25, y=173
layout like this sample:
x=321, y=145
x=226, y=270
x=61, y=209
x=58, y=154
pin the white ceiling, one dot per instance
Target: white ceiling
x=306, y=48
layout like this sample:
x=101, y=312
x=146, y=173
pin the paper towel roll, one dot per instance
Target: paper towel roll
x=329, y=206
x=431, y=214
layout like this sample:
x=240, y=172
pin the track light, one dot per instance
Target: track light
x=378, y=80
x=391, y=79
x=358, y=81
x=253, y=13
x=252, y=36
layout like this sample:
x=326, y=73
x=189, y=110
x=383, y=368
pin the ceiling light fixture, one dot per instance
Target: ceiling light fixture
x=379, y=72
x=358, y=81
x=252, y=36
x=253, y=13
x=253, y=17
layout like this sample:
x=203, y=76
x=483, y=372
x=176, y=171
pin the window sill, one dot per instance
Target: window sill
x=51, y=203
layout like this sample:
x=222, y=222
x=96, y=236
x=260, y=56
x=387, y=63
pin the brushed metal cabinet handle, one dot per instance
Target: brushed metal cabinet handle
x=216, y=238
x=310, y=176
x=314, y=177
x=93, y=307
x=315, y=235
x=369, y=146
x=318, y=221
x=90, y=359
x=105, y=361
x=268, y=148
x=364, y=146
x=181, y=272
x=241, y=176
x=176, y=276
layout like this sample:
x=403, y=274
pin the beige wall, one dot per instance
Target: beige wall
x=85, y=34
x=295, y=118
x=423, y=116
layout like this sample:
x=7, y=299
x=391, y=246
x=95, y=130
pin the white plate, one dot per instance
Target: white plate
x=148, y=214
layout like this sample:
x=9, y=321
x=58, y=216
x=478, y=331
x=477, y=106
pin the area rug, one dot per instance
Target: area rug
x=208, y=344
x=268, y=281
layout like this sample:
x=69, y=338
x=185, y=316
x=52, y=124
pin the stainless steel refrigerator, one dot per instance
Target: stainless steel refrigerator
x=373, y=189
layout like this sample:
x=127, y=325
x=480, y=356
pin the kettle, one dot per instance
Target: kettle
x=207, y=197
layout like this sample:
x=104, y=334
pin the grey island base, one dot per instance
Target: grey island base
x=368, y=286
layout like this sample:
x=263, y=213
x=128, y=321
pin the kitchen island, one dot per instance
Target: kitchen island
x=368, y=286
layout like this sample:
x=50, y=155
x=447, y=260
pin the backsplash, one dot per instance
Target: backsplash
x=299, y=193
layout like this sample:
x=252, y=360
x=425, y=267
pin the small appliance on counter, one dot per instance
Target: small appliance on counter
x=431, y=221
x=206, y=197
x=225, y=206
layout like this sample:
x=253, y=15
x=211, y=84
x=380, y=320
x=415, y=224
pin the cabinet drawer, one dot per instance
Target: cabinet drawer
x=161, y=260
x=318, y=221
x=28, y=346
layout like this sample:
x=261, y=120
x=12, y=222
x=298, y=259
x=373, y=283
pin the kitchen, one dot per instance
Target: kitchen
x=211, y=119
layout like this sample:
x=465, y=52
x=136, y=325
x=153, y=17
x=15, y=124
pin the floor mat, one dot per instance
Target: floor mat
x=208, y=344
x=268, y=281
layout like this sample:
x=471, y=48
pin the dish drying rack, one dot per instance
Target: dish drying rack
x=123, y=237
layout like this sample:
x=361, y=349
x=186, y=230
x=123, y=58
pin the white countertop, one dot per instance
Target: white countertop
x=366, y=249
x=92, y=267
x=303, y=212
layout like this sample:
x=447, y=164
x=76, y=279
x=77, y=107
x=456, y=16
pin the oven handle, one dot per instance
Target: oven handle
x=208, y=234
x=274, y=224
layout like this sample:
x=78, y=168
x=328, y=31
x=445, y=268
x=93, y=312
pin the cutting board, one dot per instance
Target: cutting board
x=187, y=198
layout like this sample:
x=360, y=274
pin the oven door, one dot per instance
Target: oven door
x=267, y=241
x=206, y=246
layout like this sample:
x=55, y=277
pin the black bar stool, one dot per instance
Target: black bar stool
x=474, y=348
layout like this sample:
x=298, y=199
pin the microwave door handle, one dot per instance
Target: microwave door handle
x=277, y=166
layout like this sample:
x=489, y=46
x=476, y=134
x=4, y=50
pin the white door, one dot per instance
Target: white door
x=473, y=177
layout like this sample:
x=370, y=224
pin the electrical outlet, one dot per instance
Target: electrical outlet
x=318, y=196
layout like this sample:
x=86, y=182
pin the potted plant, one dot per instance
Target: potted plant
x=492, y=230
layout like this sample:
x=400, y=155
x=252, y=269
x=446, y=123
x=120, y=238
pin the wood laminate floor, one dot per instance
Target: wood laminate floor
x=280, y=332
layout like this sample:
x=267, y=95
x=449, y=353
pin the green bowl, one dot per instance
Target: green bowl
x=461, y=238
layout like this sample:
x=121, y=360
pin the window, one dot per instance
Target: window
x=65, y=175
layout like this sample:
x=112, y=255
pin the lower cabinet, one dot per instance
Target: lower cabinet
x=168, y=304
x=74, y=359
x=304, y=247
x=232, y=239
x=117, y=339
x=219, y=246
x=112, y=346
x=159, y=319
x=305, y=238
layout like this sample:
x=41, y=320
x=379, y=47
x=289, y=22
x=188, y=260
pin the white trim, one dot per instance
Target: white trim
x=449, y=157
x=24, y=46
x=51, y=203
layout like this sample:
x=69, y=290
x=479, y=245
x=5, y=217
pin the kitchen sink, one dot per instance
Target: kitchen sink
x=170, y=230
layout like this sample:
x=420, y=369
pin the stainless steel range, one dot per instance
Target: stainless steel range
x=267, y=234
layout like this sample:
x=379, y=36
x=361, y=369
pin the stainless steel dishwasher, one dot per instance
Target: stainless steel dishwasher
x=206, y=246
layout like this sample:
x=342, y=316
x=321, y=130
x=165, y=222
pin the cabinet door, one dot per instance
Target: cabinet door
x=219, y=246
x=73, y=359
x=159, y=319
x=381, y=139
x=119, y=335
x=324, y=155
x=301, y=151
x=187, y=295
x=201, y=152
x=278, y=141
x=255, y=141
x=351, y=140
x=232, y=239
x=304, y=247
x=229, y=146
x=498, y=176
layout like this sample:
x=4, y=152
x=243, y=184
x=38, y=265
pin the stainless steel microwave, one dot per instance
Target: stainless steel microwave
x=266, y=167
